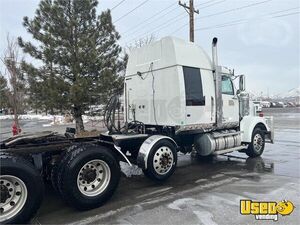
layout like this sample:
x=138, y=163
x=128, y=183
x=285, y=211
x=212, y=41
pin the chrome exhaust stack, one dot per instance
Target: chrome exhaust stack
x=218, y=84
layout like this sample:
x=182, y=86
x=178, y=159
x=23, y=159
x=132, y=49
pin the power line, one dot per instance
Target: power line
x=168, y=22
x=117, y=5
x=214, y=3
x=177, y=17
x=151, y=17
x=289, y=14
x=242, y=21
x=235, y=9
x=233, y=24
x=236, y=22
x=224, y=12
x=126, y=14
x=285, y=10
x=230, y=23
x=191, y=11
x=203, y=3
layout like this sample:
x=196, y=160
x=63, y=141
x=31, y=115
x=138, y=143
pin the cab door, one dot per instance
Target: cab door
x=230, y=101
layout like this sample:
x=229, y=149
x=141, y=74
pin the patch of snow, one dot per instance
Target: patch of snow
x=130, y=170
x=217, y=176
x=54, y=119
x=93, y=219
x=200, y=180
x=205, y=217
x=176, y=205
x=27, y=117
x=155, y=192
x=92, y=118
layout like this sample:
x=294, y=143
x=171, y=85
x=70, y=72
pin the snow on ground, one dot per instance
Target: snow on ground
x=27, y=117
x=130, y=170
x=54, y=119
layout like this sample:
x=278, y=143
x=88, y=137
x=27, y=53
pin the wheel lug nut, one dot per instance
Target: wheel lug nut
x=12, y=203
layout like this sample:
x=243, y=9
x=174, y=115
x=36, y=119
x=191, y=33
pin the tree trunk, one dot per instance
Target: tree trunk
x=78, y=119
x=16, y=119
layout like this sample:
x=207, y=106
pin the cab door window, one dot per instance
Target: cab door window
x=227, y=86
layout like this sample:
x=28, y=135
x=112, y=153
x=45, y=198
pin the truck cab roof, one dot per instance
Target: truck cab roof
x=167, y=52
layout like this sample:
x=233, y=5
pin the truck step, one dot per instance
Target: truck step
x=218, y=135
x=220, y=152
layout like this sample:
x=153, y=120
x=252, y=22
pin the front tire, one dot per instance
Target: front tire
x=257, y=145
x=162, y=161
x=89, y=177
x=22, y=190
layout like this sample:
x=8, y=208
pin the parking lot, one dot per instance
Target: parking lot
x=200, y=192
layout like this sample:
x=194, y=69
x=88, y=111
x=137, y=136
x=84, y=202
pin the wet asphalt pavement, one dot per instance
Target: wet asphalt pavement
x=200, y=192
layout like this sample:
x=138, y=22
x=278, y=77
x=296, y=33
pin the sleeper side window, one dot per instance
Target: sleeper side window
x=193, y=86
x=227, y=86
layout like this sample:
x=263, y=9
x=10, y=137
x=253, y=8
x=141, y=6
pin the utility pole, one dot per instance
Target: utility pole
x=190, y=10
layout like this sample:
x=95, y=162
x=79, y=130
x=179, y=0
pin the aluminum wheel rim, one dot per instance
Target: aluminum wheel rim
x=100, y=178
x=258, y=142
x=16, y=196
x=163, y=160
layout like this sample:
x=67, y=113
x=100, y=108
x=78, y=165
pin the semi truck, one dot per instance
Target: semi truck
x=175, y=99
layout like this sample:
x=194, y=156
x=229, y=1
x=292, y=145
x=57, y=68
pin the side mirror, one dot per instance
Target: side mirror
x=242, y=85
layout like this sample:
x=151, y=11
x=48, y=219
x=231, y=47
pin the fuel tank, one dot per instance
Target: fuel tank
x=206, y=144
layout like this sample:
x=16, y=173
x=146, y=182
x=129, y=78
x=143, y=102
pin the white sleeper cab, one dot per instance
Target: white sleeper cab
x=175, y=99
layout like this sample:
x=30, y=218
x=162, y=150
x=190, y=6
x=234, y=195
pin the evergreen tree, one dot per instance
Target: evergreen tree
x=79, y=52
x=4, y=92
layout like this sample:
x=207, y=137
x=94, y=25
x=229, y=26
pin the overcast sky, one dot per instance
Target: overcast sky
x=259, y=38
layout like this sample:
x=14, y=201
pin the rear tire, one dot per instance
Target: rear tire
x=257, y=145
x=22, y=189
x=162, y=161
x=53, y=176
x=56, y=169
x=89, y=177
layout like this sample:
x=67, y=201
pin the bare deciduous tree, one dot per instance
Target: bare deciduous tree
x=141, y=42
x=12, y=70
